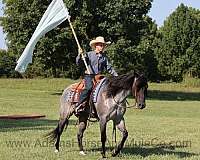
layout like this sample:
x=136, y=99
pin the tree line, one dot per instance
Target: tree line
x=166, y=53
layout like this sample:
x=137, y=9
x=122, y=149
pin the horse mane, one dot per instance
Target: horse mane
x=119, y=83
x=124, y=82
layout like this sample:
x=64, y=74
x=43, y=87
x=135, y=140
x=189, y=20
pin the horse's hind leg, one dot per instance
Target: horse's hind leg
x=59, y=130
x=103, y=124
x=81, y=129
x=121, y=126
x=65, y=112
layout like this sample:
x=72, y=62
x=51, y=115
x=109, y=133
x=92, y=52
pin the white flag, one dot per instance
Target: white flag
x=55, y=14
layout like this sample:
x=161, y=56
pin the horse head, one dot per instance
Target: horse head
x=139, y=90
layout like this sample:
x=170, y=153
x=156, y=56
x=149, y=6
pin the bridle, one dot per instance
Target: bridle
x=119, y=103
x=135, y=93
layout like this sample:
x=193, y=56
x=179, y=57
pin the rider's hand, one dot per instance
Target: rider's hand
x=80, y=51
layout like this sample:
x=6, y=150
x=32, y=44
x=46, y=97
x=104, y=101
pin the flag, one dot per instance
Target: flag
x=55, y=14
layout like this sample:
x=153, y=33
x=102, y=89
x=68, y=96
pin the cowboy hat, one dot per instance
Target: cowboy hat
x=98, y=40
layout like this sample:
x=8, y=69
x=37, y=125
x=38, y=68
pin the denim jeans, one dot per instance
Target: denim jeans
x=88, y=87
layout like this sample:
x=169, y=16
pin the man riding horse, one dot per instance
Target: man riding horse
x=97, y=63
x=110, y=102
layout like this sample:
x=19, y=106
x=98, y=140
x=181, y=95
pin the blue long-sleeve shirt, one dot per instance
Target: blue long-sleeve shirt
x=97, y=63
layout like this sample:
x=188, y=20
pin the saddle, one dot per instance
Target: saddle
x=77, y=88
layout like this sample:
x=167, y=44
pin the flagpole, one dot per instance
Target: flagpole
x=80, y=50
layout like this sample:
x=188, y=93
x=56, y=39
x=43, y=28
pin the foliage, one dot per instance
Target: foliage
x=123, y=22
x=165, y=54
x=7, y=64
x=178, y=45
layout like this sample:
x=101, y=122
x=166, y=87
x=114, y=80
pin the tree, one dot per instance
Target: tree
x=7, y=64
x=123, y=22
x=178, y=44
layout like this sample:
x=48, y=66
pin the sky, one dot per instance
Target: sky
x=160, y=10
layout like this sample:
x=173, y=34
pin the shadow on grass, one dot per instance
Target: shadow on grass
x=164, y=95
x=173, y=95
x=57, y=93
x=149, y=151
x=34, y=124
x=160, y=150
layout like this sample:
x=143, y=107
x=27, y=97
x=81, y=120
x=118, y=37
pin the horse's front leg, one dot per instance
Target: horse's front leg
x=81, y=129
x=103, y=124
x=121, y=126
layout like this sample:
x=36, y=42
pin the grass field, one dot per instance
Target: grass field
x=169, y=128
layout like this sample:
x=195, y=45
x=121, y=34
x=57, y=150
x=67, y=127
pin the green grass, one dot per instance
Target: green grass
x=169, y=128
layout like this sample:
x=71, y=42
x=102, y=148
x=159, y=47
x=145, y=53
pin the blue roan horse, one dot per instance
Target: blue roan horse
x=110, y=105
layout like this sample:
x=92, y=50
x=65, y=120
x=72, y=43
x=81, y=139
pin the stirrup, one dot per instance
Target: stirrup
x=76, y=109
x=79, y=108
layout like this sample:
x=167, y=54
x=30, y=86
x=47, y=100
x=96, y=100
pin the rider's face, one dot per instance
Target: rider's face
x=99, y=47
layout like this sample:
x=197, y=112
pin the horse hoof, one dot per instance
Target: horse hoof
x=82, y=153
x=56, y=151
x=114, y=153
x=103, y=155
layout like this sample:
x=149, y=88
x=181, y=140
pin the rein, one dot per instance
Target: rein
x=132, y=106
x=119, y=103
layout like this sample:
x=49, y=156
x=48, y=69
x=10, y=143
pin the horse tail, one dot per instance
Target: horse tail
x=53, y=135
x=56, y=133
x=66, y=110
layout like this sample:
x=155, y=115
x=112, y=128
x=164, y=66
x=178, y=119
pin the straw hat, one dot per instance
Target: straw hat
x=98, y=40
